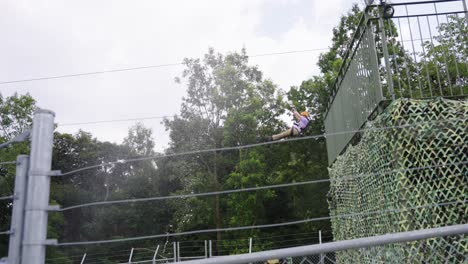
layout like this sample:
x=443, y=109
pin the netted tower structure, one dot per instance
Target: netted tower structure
x=404, y=80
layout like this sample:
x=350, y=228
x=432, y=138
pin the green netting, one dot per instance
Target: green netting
x=400, y=150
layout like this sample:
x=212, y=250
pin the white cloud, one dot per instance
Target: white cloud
x=42, y=38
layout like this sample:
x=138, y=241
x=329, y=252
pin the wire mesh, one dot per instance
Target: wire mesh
x=390, y=150
x=419, y=53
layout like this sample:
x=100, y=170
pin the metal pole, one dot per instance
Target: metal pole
x=155, y=255
x=206, y=249
x=210, y=249
x=250, y=247
x=130, y=258
x=37, y=201
x=175, y=251
x=388, y=67
x=83, y=259
x=178, y=251
x=337, y=245
x=466, y=11
x=320, y=242
x=17, y=216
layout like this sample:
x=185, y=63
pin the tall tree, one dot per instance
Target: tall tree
x=227, y=103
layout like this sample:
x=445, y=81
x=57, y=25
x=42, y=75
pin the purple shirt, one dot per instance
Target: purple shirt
x=301, y=124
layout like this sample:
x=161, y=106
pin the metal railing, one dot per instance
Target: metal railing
x=435, y=245
x=421, y=52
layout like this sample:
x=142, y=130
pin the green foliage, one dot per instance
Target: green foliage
x=15, y=117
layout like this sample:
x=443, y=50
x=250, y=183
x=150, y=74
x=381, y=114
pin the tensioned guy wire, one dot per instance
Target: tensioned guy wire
x=113, y=120
x=7, y=197
x=192, y=195
x=255, y=226
x=253, y=145
x=143, y=67
x=7, y=162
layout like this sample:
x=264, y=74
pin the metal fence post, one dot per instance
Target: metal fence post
x=210, y=249
x=465, y=8
x=155, y=255
x=388, y=67
x=206, y=249
x=17, y=216
x=178, y=251
x=175, y=251
x=83, y=259
x=37, y=200
x=250, y=247
x=130, y=257
x=320, y=242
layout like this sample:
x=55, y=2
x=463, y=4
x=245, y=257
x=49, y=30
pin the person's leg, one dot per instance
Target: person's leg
x=286, y=133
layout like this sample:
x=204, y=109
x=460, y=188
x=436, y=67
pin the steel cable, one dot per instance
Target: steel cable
x=79, y=243
x=192, y=195
x=252, y=145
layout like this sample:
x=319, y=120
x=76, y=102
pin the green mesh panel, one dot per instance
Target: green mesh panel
x=379, y=152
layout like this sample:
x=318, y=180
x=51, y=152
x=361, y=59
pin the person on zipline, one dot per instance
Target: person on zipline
x=302, y=120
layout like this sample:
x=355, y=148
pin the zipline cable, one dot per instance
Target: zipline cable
x=114, y=120
x=143, y=67
x=154, y=157
x=192, y=195
x=80, y=243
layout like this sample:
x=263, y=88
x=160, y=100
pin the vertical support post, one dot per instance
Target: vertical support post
x=155, y=255
x=250, y=247
x=388, y=67
x=17, y=216
x=178, y=251
x=320, y=242
x=465, y=8
x=37, y=201
x=206, y=249
x=210, y=249
x=175, y=251
x=83, y=259
x=130, y=257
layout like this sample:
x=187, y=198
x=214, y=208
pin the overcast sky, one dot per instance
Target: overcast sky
x=47, y=38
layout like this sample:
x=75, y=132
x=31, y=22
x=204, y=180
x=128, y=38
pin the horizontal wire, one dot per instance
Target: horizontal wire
x=5, y=232
x=7, y=162
x=142, y=67
x=192, y=195
x=274, y=236
x=7, y=197
x=182, y=242
x=253, y=145
x=98, y=255
x=113, y=120
x=95, y=255
x=254, y=226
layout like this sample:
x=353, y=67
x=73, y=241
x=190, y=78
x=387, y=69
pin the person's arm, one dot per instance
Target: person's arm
x=296, y=114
